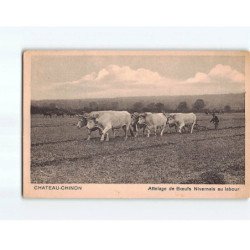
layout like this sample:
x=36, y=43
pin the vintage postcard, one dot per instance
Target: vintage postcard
x=136, y=124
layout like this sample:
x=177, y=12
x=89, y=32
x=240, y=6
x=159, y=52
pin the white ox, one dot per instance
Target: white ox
x=107, y=120
x=83, y=120
x=153, y=121
x=181, y=120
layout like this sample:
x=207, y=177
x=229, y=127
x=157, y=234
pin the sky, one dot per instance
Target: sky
x=82, y=77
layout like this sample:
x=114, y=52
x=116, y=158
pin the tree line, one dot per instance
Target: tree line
x=198, y=106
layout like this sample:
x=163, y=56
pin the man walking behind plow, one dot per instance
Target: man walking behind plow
x=215, y=121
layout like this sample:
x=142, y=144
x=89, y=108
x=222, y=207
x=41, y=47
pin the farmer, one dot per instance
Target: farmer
x=215, y=121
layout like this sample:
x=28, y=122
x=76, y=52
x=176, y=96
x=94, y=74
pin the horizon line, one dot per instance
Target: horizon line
x=133, y=97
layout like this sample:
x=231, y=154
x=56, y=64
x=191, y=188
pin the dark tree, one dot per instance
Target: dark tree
x=151, y=107
x=167, y=108
x=227, y=108
x=93, y=106
x=138, y=106
x=52, y=105
x=199, y=105
x=114, y=105
x=182, y=107
x=159, y=107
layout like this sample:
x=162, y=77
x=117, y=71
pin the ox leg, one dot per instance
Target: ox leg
x=148, y=132
x=104, y=132
x=192, y=128
x=176, y=127
x=180, y=127
x=107, y=136
x=163, y=128
x=126, y=129
x=113, y=132
x=136, y=130
x=155, y=129
x=89, y=132
x=132, y=131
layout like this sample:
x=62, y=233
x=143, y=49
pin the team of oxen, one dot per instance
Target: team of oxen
x=105, y=121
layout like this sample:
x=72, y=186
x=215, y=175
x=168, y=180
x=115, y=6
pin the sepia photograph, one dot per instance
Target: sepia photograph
x=156, y=118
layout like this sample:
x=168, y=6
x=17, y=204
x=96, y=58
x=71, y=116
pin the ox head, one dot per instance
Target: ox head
x=92, y=121
x=142, y=118
x=134, y=118
x=171, y=119
x=82, y=120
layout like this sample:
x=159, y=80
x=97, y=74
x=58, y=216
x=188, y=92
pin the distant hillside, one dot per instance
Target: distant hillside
x=236, y=102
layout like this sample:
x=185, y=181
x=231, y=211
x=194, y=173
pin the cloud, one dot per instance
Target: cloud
x=115, y=75
x=116, y=80
x=225, y=72
x=199, y=77
x=218, y=73
x=120, y=81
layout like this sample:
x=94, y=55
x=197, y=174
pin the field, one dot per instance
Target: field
x=61, y=154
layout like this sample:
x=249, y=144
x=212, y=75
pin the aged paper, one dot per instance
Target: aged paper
x=136, y=124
